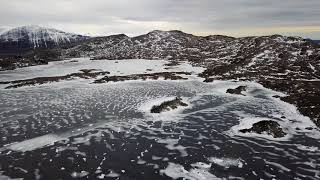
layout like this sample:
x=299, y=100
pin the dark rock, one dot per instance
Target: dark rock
x=154, y=76
x=168, y=105
x=172, y=63
x=237, y=90
x=207, y=80
x=267, y=126
x=88, y=71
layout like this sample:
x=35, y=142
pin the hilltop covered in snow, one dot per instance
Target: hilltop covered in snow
x=29, y=37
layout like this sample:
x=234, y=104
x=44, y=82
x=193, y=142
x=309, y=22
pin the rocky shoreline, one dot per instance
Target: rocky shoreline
x=152, y=76
x=83, y=74
x=303, y=93
x=94, y=74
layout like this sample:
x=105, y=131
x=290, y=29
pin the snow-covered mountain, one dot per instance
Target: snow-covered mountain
x=30, y=37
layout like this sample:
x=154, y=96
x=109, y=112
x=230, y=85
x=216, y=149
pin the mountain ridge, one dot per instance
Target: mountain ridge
x=28, y=37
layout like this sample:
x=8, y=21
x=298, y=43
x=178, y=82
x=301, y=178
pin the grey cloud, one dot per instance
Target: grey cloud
x=138, y=16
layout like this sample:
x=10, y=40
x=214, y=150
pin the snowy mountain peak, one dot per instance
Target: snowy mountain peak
x=166, y=33
x=2, y=30
x=34, y=36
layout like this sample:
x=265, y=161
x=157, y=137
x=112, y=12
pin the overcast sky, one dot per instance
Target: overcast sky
x=134, y=17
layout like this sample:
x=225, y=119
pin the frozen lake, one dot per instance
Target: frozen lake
x=75, y=129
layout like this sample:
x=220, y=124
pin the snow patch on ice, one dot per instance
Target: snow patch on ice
x=227, y=162
x=307, y=148
x=173, y=144
x=49, y=139
x=176, y=171
x=32, y=144
x=79, y=174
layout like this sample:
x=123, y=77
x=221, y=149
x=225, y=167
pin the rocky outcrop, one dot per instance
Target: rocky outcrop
x=237, y=90
x=168, y=105
x=94, y=46
x=266, y=127
x=152, y=76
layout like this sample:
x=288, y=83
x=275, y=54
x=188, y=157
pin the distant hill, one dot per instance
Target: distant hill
x=317, y=41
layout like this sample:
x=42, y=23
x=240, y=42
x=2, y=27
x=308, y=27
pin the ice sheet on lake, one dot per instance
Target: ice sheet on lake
x=200, y=125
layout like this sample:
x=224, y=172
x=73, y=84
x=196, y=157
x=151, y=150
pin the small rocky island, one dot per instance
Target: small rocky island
x=237, y=90
x=267, y=126
x=168, y=105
